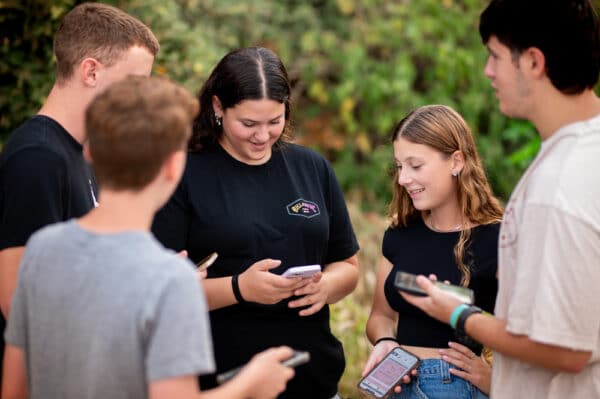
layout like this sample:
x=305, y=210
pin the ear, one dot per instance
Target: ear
x=86, y=153
x=458, y=162
x=174, y=165
x=88, y=71
x=534, y=61
x=217, y=107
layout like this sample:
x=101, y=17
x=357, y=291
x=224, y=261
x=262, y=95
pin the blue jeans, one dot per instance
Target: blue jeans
x=434, y=381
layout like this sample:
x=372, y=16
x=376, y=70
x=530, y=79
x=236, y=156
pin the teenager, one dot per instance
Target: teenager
x=544, y=60
x=43, y=175
x=445, y=221
x=101, y=309
x=264, y=204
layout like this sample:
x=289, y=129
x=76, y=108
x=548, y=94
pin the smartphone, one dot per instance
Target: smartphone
x=297, y=359
x=302, y=271
x=206, y=262
x=388, y=373
x=407, y=282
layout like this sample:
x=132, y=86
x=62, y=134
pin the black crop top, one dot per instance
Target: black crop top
x=420, y=250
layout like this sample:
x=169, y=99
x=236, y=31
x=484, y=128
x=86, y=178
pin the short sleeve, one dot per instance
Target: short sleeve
x=342, y=241
x=555, y=299
x=32, y=185
x=179, y=341
x=171, y=222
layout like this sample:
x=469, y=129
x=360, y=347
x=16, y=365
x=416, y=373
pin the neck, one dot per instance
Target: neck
x=446, y=218
x=555, y=110
x=121, y=211
x=66, y=105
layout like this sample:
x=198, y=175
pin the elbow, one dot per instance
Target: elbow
x=576, y=363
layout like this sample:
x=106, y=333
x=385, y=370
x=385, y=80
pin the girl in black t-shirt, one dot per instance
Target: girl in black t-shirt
x=264, y=204
x=445, y=223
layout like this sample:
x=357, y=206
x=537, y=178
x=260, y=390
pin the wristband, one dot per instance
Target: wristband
x=235, y=287
x=456, y=313
x=385, y=339
x=462, y=318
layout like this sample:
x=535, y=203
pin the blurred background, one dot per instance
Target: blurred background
x=357, y=67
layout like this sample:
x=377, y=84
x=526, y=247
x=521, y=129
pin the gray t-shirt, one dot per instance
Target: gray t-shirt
x=101, y=315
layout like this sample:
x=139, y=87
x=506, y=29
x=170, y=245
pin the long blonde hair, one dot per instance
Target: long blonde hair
x=444, y=130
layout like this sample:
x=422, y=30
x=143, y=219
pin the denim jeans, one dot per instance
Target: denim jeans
x=434, y=381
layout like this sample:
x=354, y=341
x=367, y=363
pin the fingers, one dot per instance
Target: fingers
x=462, y=374
x=266, y=264
x=461, y=348
x=183, y=254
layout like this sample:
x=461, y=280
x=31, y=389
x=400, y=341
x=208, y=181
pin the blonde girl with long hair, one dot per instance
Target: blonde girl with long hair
x=444, y=223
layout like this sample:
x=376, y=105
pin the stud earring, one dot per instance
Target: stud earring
x=218, y=120
x=455, y=173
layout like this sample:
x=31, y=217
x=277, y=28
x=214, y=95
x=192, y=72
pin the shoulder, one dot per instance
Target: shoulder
x=35, y=140
x=302, y=154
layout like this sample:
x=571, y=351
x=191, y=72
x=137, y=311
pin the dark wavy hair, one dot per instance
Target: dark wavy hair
x=251, y=73
x=567, y=32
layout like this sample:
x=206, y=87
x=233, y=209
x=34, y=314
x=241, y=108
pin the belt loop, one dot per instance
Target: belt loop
x=445, y=372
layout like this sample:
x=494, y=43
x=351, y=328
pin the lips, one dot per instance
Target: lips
x=415, y=192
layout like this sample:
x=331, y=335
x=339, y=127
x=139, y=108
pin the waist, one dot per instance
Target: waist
x=423, y=352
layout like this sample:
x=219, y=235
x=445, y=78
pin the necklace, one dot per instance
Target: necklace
x=432, y=224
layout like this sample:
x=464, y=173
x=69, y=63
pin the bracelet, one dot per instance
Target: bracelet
x=235, y=287
x=385, y=339
x=464, y=315
x=456, y=313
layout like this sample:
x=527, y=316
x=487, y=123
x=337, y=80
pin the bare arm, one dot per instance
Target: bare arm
x=264, y=377
x=9, y=270
x=492, y=333
x=14, y=381
x=334, y=283
x=256, y=284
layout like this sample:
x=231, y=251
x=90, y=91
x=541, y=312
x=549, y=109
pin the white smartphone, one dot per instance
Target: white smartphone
x=302, y=271
x=407, y=282
x=388, y=373
x=297, y=359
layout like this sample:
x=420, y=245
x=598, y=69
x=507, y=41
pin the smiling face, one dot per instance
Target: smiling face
x=425, y=174
x=507, y=78
x=250, y=129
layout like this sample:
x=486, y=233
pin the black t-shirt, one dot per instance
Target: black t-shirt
x=44, y=179
x=418, y=249
x=290, y=208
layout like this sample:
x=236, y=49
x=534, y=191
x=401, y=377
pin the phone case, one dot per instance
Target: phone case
x=388, y=373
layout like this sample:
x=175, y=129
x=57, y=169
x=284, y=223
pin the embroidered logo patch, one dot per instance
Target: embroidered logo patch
x=302, y=207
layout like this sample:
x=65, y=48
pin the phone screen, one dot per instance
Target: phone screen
x=388, y=373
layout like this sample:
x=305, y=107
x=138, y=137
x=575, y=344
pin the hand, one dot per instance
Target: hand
x=257, y=284
x=264, y=375
x=437, y=304
x=314, y=294
x=474, y=369
x=379, y=352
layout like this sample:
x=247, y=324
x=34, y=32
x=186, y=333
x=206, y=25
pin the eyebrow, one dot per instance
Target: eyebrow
x=253, y=121
x=409, y=159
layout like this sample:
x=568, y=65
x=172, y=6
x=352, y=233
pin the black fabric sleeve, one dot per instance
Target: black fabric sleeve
x=33, y=182
x=342, y=241
x=171, y=223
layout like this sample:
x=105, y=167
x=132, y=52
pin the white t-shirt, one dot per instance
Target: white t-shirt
x=549, y=265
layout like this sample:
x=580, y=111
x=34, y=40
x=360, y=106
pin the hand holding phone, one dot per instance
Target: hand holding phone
x=297, y=359
x=302, y=271
x=407, y=282
x=206, y=262
x=388, y=373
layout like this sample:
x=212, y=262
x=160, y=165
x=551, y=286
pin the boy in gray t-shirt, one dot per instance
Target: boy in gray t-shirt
x=101, y=309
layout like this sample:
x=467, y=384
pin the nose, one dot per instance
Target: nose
x=403, y=177
x=488, y=70
x=262, y=133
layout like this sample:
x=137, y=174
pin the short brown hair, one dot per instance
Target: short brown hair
x=99, y=31
x=133, y=126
